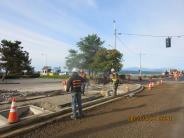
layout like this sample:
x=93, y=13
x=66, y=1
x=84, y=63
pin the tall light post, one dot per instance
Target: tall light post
x=45, y=58
x=115, y=33
x=140, y=63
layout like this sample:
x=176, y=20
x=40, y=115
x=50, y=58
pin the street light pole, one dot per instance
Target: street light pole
x=115, y=33
x=45, y=58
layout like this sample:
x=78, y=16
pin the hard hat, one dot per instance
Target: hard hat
x=112, y=70
x=75, y=70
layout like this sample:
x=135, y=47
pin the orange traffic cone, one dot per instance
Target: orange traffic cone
x=161, y=82
x=152, y=84
x=149, y=86
x=127, y=88
x=13, y=117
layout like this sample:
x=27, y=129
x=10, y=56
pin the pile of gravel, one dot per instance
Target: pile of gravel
x=48, y=106
x=5, y=95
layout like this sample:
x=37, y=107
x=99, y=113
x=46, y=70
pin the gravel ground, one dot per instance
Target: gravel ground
x=6, y=95
x=163, y=108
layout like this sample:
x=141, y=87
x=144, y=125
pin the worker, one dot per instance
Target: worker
x=115, y=81
x=83, y=85
x=74, y=83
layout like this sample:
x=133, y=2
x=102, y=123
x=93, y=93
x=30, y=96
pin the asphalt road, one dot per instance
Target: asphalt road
x=158, y=113
x=31, y=85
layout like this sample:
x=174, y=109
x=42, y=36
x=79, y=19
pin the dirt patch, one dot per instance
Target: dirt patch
x=48, y=106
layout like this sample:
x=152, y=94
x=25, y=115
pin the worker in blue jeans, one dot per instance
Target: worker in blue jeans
x=74, y=83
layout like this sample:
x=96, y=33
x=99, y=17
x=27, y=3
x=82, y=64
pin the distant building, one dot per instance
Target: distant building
x=46, y=70
x=64, y=73
x=56, y=70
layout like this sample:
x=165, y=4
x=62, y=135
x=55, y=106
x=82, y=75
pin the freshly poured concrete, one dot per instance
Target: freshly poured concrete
x=24, y=112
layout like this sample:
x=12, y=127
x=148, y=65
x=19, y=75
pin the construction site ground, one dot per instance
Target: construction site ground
x=56, y=97
x=150, y=114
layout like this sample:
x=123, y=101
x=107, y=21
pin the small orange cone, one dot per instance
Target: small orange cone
x=127, y=88
x=161, y=82
x=152, y=84
x=149, y=86
x=13, y=117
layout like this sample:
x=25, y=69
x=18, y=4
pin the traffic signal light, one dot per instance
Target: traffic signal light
x=168, y=42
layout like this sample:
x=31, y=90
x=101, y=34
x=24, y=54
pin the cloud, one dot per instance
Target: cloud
x=83, y=3
x=53, y=17
x=36, y=44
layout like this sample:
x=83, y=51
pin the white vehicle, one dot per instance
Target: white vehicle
x=63, y=73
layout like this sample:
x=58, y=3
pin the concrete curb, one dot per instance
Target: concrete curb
x=36, y=122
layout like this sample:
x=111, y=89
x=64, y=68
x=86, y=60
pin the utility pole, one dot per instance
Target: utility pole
x=115, y=33
x=140, y=64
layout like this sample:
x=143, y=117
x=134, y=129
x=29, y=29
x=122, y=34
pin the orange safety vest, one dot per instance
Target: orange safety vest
x=76, y=83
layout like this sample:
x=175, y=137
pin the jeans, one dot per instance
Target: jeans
x=115, y=87
x=83, y=88
x=76, y=104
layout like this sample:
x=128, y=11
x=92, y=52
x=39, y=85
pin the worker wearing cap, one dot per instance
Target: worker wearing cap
x=74, y=83
x=115, y=81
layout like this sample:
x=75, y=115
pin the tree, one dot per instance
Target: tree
x=15, y=59
x=106, y=59
x=93, y=57
x=73, y=59
x=88, y=46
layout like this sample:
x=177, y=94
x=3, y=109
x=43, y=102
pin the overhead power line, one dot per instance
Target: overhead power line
x=149, y=35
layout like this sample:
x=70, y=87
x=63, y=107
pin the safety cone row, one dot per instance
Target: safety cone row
x=13, y=116
x=152, y=84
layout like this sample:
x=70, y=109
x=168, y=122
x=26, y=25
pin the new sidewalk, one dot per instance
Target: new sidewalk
x=55, y=103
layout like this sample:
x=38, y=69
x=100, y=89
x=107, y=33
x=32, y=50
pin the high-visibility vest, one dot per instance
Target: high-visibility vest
x=114, y=77
x=76, y=83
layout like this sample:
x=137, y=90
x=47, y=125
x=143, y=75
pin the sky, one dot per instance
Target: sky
x=49, y=28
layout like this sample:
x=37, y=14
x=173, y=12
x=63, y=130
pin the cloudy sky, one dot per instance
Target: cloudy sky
x=49, y=28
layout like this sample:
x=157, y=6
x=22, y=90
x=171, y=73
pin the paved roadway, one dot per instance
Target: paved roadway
x=161, y=109
x=31, y=85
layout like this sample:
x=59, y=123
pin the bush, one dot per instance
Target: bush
x=13, y=76
x=55, y=77
x=17, y=76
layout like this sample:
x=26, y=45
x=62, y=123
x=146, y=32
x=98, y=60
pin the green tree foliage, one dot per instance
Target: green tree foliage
x=88, y=46
x=73, y=60
x=106, y=59
x=15, y=59
x=93, y=56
